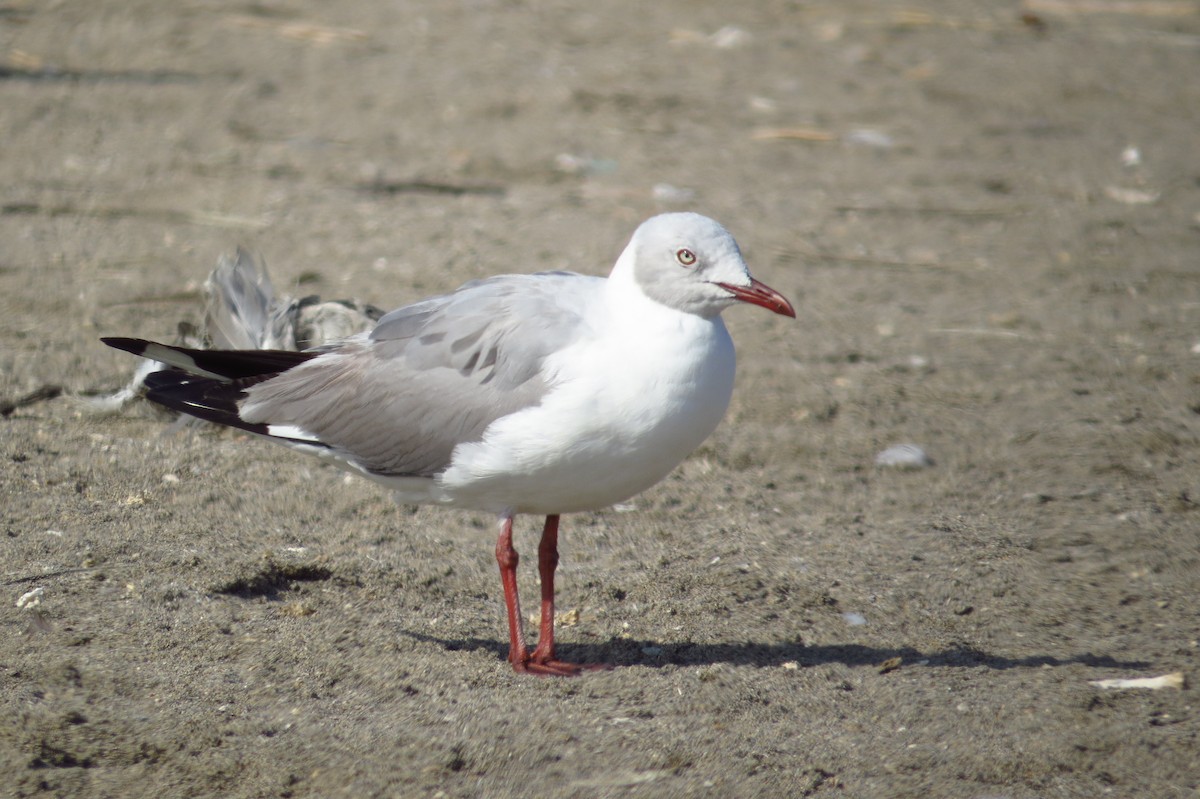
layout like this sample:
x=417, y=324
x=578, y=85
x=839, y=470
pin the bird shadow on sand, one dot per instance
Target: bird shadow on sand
x=631, y=652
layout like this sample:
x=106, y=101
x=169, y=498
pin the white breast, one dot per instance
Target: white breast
x=627, y=406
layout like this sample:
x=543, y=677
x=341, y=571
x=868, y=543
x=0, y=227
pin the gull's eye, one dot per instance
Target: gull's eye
x=686, y=257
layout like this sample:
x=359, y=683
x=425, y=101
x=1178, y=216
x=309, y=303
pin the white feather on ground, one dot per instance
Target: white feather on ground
x=243, y=311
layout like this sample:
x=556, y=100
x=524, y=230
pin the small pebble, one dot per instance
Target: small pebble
x=904, y=456
x=870, y=138
x=764, y=105
x=1131, y=196
x=730, y=37
x=584, y=165
x=665, y=192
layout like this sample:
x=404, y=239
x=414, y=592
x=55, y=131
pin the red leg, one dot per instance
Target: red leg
x=508, y=559
x=542, y=660
x=547, y=563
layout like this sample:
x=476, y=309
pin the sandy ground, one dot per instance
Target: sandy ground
x=989, y=227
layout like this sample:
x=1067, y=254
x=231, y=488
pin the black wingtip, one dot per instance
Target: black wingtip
x=134, y=345
x=202, y=397
x=225, y=364
x=211, y=400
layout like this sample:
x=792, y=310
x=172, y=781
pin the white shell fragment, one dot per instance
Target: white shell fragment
x=904, y=456
x=869, y=137
x=1173, y=680
x=31, y=599
x=30, y=602
x=1131, y=196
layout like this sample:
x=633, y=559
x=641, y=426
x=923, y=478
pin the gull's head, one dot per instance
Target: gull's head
x=690, y=263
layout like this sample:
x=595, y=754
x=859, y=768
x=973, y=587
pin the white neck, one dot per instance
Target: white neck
x=625, y=299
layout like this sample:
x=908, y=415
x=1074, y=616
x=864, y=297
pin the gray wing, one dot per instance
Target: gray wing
x=433, y=374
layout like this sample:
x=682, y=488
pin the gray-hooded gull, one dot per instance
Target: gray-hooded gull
x=547, y=393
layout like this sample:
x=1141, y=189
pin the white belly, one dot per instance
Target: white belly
x=625, y=414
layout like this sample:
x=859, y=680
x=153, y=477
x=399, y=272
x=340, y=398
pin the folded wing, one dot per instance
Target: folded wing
x=397, y=401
